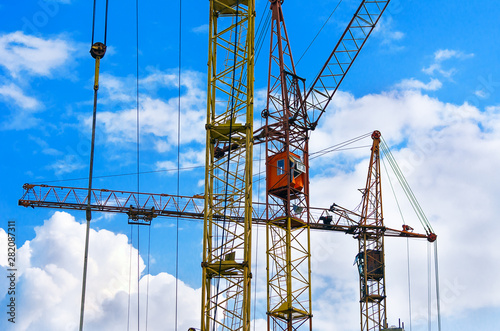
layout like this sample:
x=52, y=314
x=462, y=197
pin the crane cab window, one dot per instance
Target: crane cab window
x=285, y=170
x=281, y=167
x=296, y=166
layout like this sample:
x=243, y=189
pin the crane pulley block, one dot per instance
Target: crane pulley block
x=141, y=216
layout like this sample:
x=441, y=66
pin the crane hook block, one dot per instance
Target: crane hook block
x=98, y=50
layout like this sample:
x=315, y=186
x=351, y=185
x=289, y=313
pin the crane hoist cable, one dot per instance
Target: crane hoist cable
x=438, y=296
x=97, y=51
x=138, y=157
x=178, y=168
x=130, y=275
x=429, y=287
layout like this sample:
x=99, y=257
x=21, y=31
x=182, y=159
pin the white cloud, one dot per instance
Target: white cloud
x=445, y=54
x=390, y=37
x=189, y=160
x=115, y=89
x=66, y=165
x=397, y=114
x=448, y=154
x=32, y=55
x=24, y=108
x=49, y=283
x=415, y=84
x=202, y=29
x=46, y=149
x=481, y=94
x=12, y=92
x=23, y=57
x=441, y=56
x=158, y=117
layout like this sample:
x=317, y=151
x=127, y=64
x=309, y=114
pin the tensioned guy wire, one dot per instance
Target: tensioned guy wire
x=317, y=34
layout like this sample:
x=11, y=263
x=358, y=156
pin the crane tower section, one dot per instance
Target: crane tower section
x=370, y=258
x=228, y=178
x=287, y=191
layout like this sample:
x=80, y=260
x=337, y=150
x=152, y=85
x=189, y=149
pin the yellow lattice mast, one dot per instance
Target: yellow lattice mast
x=228, y=178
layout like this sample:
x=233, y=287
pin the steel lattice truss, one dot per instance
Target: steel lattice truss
x=228, y=191
x=370, y=258
x=288, y=228
x=145, y=207
x=342, y=57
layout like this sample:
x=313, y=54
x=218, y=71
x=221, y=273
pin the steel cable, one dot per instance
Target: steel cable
x=97, y=53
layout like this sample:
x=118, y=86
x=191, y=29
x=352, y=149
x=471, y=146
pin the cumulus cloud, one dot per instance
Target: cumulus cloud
x=158, y=116
x=50, y=273
x=22, y=58
x=20, y=53
x=448, y=155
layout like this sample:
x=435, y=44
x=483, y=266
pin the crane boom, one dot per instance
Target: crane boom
x=342, y=57
x=152, y=205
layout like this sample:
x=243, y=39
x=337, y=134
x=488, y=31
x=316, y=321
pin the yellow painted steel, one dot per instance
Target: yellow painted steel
x=289, y=274
x=228, y=179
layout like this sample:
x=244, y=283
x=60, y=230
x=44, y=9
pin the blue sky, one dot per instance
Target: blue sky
x=427, y=78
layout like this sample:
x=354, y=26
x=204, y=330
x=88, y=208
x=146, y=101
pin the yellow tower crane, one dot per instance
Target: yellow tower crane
x=228, y=168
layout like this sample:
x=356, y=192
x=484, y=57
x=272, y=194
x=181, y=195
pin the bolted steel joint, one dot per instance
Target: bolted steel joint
x=98, y=50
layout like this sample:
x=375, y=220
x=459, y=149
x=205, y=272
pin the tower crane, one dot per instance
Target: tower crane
x=228, y=167
x=291, y=114
x=226, y=207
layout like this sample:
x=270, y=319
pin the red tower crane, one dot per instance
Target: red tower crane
x=291, y=114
